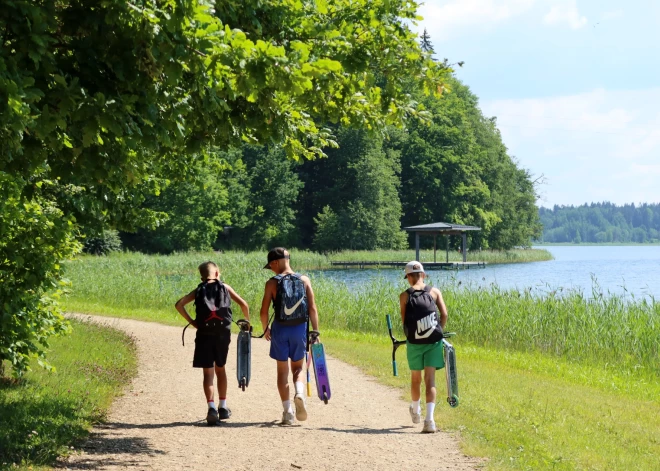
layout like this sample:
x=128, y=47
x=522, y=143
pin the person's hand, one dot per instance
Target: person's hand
x=267, y=333
x=194, y=324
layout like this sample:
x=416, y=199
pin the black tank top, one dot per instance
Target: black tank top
x=422, y=325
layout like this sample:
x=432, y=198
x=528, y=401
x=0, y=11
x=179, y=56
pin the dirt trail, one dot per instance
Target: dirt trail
x=159, y=422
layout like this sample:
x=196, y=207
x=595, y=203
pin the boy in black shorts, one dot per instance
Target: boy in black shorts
x=213, y=323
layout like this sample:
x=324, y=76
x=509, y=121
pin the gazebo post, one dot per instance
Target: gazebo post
x=417, y=246
x=464, y=234
x=447, y=246
x=435, y=237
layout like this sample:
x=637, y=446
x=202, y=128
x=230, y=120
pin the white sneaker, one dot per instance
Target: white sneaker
x=301, y=411
x=416, y=416
x=287, y=418
x=429, y=426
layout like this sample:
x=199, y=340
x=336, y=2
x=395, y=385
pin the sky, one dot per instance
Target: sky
x=574, y=84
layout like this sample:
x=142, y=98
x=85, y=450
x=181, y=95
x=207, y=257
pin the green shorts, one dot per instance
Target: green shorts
x=423, y=355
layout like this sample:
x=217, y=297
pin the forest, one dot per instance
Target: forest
x=359, y=197
x=601, y=223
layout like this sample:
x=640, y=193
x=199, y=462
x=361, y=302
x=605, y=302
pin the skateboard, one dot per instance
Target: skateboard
x=450, y=362
x=320, y=368
x=450, y=372
x=243, y=353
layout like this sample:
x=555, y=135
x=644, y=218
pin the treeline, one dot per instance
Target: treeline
x=601, y=223
x=453, y=169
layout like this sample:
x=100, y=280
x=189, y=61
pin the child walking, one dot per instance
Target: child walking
x=213, y=319
x=419, y=312
x=294, y=306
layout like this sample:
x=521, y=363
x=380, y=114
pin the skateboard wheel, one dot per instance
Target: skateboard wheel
x=243, y=384
x=453, y=401
x=325, y=398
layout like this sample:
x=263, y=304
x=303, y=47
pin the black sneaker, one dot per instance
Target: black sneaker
x=212, y=416
x=224, y=413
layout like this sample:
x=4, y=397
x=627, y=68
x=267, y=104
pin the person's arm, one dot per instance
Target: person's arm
x=240, y=301
x=403, y=300
x=181, y=307
x=442, y=309
x=269, y=294
x=311, y=304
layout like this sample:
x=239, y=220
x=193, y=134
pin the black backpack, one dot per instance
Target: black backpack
x=212, y=307
x=422, y=325
x=291, y=300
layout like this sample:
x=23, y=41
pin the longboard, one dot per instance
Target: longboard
x=243, y=354
x=450, y=373
x=321, y=372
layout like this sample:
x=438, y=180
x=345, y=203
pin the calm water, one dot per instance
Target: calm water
x=629, y=270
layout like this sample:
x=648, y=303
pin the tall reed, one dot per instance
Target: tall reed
x=602, y=328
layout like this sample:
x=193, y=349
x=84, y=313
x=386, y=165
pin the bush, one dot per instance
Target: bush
x=103, y=244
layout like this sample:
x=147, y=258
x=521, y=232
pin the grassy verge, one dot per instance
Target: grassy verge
x=45, y=414
x=528, y=411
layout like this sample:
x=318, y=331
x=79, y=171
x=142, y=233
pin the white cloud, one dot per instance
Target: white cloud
x=598, y=146
x=565, y=13
x=448, y=18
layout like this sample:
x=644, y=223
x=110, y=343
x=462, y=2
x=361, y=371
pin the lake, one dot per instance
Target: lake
x=624, y=270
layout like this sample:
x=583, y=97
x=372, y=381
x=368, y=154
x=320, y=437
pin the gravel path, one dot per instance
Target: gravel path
x=159, y=422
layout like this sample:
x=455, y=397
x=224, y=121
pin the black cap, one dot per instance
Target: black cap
x=278, y=253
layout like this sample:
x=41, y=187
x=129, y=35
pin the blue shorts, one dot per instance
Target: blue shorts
x=288, y=341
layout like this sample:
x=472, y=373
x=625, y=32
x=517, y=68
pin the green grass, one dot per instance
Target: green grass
x=555, y=381
x=527, y=411
x=45, y=414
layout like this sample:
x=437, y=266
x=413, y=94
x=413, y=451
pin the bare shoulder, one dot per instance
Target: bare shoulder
x=305, y=279
x=436, y=293
x=404, y=296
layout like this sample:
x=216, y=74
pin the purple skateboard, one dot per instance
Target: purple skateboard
x=321, y=372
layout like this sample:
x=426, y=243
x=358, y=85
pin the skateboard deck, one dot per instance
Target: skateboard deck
x=451, y=373
x=243, y=356
x=321, y=372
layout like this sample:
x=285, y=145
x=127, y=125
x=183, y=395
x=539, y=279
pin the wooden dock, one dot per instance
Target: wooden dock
x=427, y=265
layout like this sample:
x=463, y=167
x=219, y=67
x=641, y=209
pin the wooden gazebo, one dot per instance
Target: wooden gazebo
x=444, y=229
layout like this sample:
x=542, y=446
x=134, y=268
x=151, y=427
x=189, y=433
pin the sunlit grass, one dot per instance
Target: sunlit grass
x=45, y=414
x=528, y=411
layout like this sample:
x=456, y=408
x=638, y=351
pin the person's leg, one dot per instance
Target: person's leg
x=283, y=379
x=208, y=384
x=429, y=384
x=221, y=374
x=299, y=397
x=415, y=385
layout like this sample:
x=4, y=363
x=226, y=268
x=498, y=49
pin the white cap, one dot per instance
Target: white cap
x=413, y=267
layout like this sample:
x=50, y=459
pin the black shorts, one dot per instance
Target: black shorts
x=211, y=349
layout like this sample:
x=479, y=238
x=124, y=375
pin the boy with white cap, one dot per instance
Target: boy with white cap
x=419, y=313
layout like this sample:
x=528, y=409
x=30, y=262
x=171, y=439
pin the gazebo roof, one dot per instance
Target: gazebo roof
x=441, y=227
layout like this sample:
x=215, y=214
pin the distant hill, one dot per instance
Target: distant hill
x=601, y=223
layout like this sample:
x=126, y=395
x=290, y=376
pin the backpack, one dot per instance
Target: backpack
x=212, y=308
x=291, y=300
x=422, y=325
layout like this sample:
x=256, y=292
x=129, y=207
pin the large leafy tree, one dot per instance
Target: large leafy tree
x=102, y=99
x=352, y=197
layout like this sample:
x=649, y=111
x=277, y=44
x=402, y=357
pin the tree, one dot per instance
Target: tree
x=103, y=100
x=425, y=43
x=352, y=197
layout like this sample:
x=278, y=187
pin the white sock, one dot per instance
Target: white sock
x=430, y=408
x=286, y=405
x=211, y=404
x=300, y=389
x=415, y=406
x=223, y=403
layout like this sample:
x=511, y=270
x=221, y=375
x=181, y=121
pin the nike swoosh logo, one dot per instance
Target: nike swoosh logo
x=424, y=336
x=290, y=310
